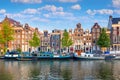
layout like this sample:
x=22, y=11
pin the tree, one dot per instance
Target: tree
x=104, y=39
x=6, y=33
x=35, y=41
x=66, y=40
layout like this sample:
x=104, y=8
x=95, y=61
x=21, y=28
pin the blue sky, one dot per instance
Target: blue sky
x=60, y=14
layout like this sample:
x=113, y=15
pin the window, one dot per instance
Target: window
x=94, y=41
x=22, y=32
x=15, y=31
x=84, y=39
x=119, y=39
x=115, y=39
x=29, y=32
x=45, y=44
x=98, y=30
x=84, y=43
x=114, y=28
x=93, y=30
x=19, y=31
x=117, y=27
x=18, y=36
x=89, y=38
x=18, y=41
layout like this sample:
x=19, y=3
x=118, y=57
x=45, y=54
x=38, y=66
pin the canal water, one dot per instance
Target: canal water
x=59, y=70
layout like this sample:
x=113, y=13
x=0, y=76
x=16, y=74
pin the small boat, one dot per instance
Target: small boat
x=23, y=59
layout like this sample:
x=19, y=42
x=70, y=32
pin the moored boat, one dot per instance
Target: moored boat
x=37, y=56
x=90, y=56
x=11, y=55
x=1, y=57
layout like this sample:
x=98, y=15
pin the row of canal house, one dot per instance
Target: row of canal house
x=51, y=41
x=84, y=40
x=22, y=35
x=87, y=41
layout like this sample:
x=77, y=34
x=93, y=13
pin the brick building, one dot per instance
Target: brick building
x=22, y=35
x=87, y=40
x=45, y=41
x=95, y=31
x=55, y=40
x=78, y=39
x=114, y=26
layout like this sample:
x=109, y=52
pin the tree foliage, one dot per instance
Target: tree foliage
x=104, y=39
x=6, y=33
x=66, y=40
x=35, y=41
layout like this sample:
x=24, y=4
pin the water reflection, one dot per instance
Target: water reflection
x=105, y=71
x=66, y=74
x=62, y=70
x=4, y=74
x=34, y=72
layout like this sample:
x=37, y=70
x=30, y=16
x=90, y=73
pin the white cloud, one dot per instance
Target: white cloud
x=116, y=3
x=58, y=14
x=51, y=8
x=117, y=11
x=30, y=11
x=102, y=11
x=27, y=1
x=62, y=14
x=90, y=12
x=77, y=7
x=46, y=15
x=105, y=11
x=18, y=15
x=2, y=11
x=54, y=11
x=39, y=19
x=68, y=0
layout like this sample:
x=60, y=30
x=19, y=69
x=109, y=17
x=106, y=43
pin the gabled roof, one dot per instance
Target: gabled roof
x=96, y=25
x=115, y=20
x=12, y=21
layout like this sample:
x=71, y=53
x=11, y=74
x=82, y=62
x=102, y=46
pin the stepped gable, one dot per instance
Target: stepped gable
x=96, y=25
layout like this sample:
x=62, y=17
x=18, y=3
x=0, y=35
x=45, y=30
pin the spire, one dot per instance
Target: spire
x=110, y=23
x=6, y=17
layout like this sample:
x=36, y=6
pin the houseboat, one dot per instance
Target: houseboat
x=37, y=56
x=91, y=56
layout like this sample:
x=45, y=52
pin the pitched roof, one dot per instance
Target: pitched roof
x=96, y=25
x=115, y=20
x=12, y=21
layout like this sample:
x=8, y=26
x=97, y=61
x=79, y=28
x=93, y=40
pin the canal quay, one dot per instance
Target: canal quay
x=60, y=70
